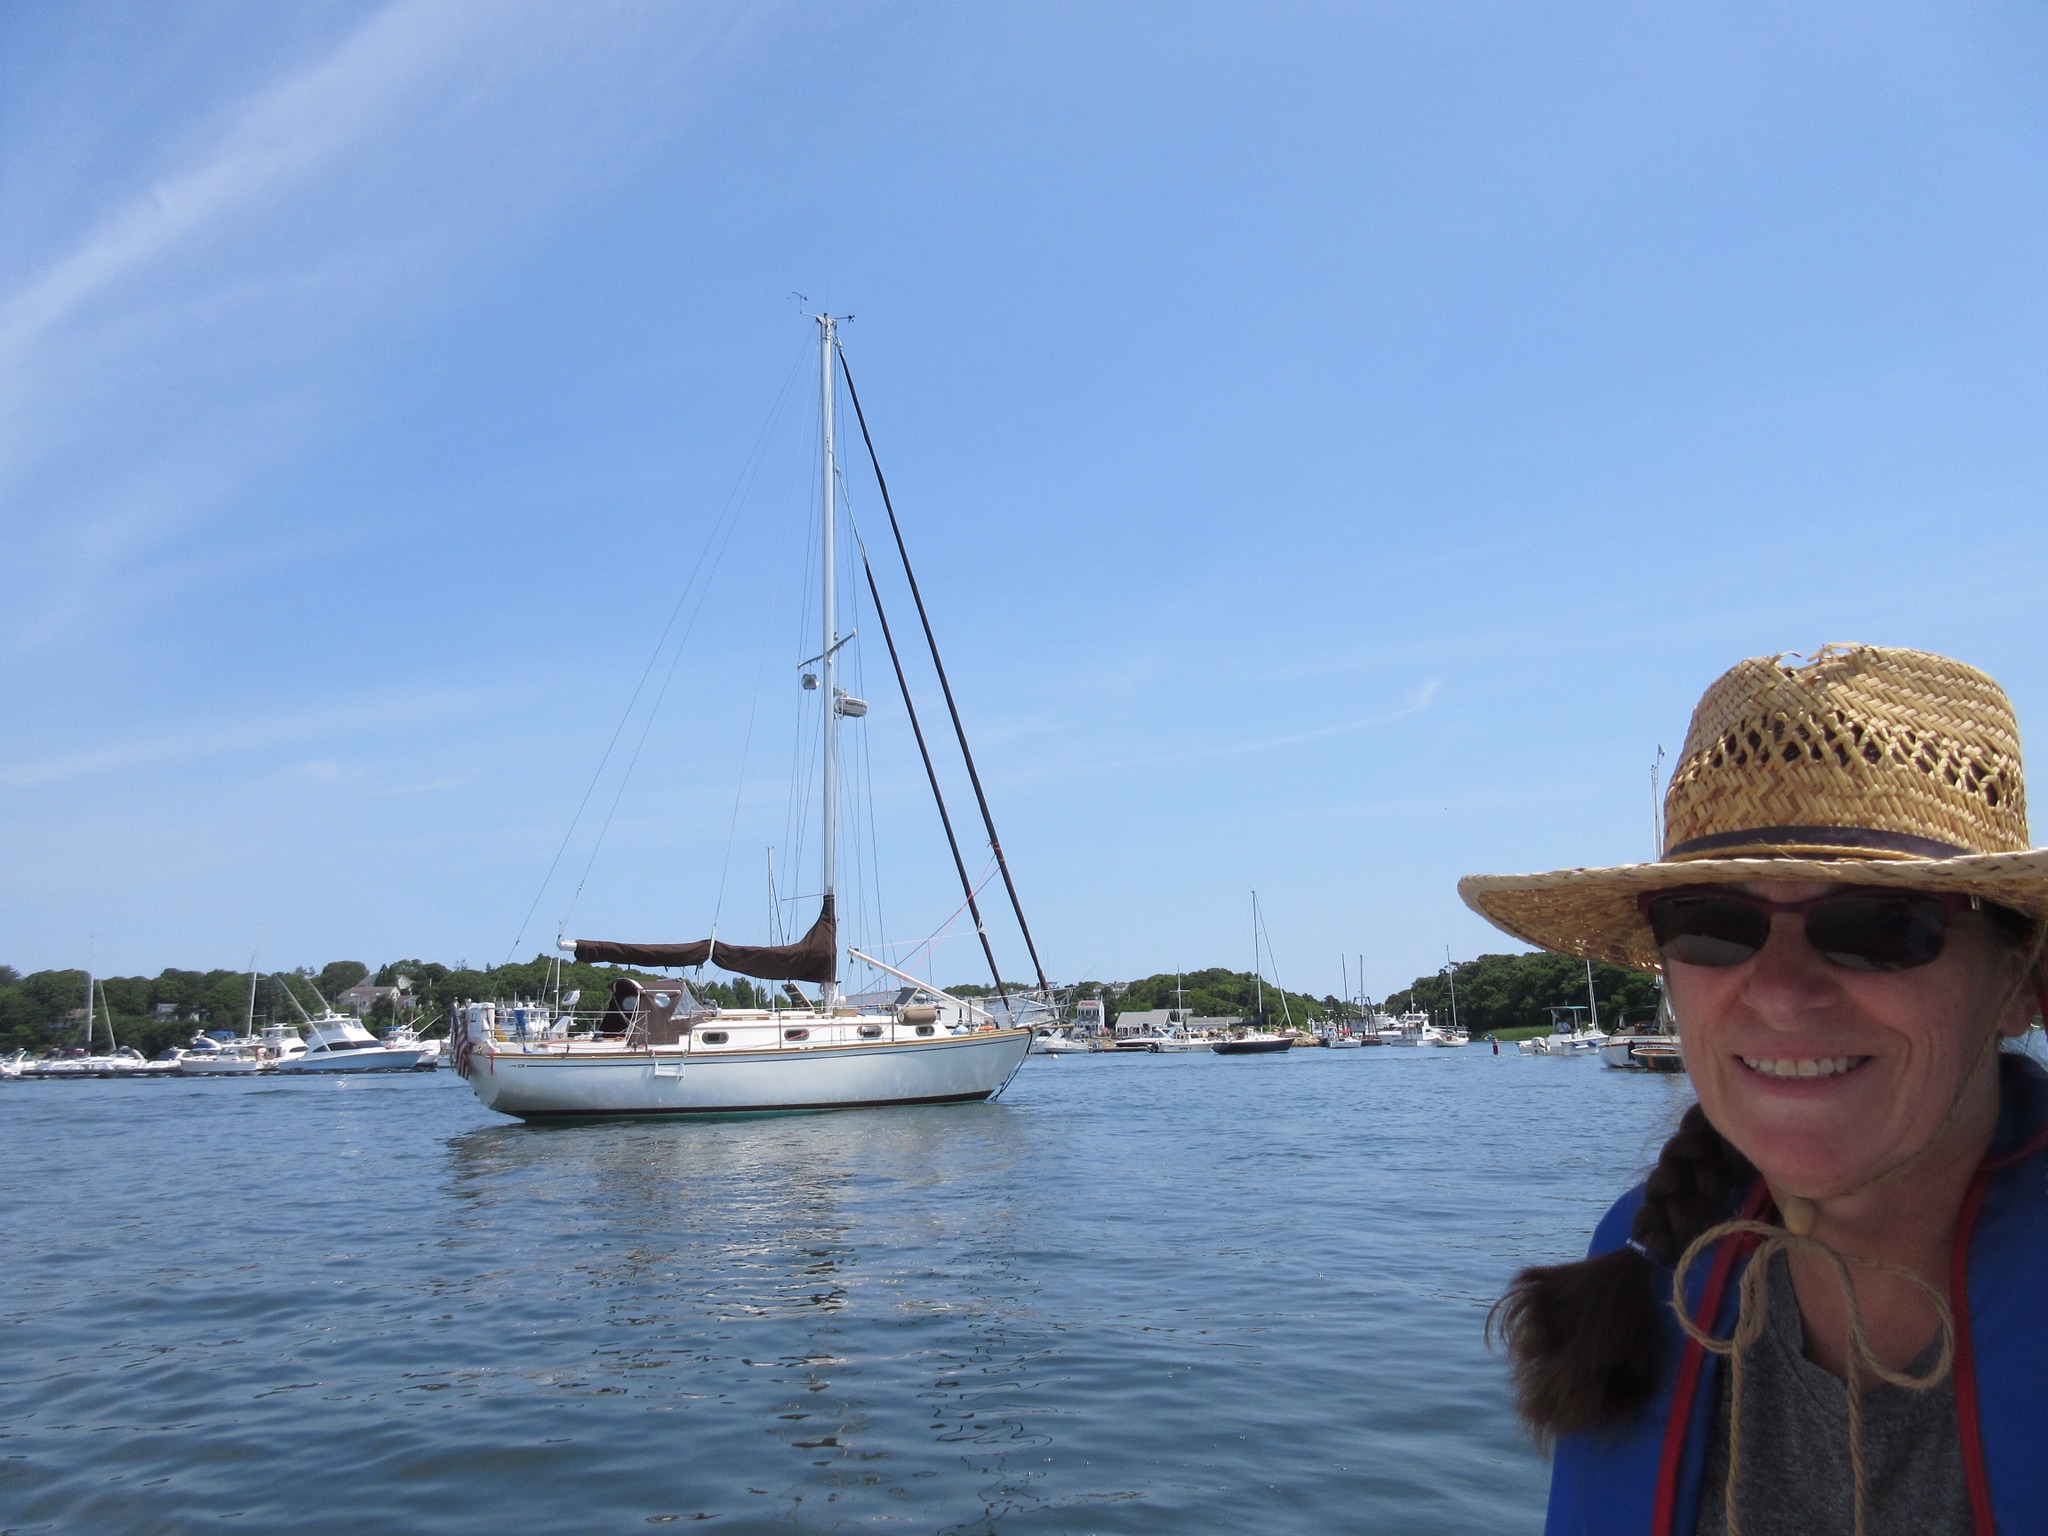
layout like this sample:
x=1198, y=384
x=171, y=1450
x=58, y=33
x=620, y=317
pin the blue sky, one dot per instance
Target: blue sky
x=1339, y=442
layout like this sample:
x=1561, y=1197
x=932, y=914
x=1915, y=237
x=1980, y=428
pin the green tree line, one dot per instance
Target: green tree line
x=1215, y=993
x=44, y=1010
x=1219, y=993
x=1498, y=993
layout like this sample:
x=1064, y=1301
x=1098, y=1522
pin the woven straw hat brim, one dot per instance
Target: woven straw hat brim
x=1592, y=912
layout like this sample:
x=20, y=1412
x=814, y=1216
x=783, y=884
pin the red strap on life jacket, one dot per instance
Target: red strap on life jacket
x=1664, y=1511
x=1693, y=1360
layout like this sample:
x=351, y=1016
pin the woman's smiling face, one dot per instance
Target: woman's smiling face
x=1825, y=1077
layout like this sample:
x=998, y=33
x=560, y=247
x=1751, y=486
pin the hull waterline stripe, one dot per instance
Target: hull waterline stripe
x=744, y=1109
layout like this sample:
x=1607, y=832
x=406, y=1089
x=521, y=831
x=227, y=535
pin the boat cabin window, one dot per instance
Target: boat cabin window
x=796, y=1034
x=714, y=1037
x=924, y=1029
x=871, y=1031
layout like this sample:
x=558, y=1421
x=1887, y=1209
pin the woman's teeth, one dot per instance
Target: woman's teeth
x=1804, y=1066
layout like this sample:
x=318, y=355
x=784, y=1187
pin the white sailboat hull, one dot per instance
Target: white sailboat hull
x=543, y=1083
x=219, y=1066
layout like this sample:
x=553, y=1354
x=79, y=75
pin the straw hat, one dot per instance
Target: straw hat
x=1863, y=765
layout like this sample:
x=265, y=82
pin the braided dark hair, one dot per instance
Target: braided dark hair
x=1582, y=1339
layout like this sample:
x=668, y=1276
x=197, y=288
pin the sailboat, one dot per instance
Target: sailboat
x=1259, y=1040
x=658, y=1049
x=210, y=1056
x=116, y=1061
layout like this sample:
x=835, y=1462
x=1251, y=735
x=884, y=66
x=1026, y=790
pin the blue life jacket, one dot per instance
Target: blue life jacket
x=1645, y=1476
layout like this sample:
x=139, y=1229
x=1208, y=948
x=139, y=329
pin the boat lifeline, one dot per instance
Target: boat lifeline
x=659, y=1050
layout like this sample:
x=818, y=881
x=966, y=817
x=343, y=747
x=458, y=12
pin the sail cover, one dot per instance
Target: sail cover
x=814, y=957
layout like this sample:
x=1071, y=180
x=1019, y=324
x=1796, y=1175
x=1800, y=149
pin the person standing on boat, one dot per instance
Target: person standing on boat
x=1822, y=1311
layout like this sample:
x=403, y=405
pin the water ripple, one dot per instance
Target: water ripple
x=1170, y=1294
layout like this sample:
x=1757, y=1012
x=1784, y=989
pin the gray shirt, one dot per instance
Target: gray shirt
x=1796, y=1478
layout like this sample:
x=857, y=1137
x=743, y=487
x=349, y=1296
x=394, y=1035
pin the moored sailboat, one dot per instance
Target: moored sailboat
x=660, y=1048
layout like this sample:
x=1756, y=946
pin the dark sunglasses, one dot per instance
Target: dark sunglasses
x=1859, y=930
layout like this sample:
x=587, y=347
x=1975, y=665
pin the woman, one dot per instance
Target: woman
x=1824, y=1309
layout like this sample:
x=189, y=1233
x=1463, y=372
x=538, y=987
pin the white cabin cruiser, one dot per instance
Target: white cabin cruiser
x=1415, y=1028
x=122, y=1061
x=405, y=1037
x=337, y=1043
x=206, y=1056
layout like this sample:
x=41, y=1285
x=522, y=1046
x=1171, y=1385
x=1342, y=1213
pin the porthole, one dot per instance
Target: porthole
x=871, y=1031
x=661, y=999
x=924, y=1029
x=796, y=1034
x=714, y=1037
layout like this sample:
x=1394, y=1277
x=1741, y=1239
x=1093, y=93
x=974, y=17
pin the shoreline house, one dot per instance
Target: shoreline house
x=365, y=995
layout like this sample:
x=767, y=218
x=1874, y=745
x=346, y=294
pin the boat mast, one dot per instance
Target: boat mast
x=829, y=665
x=1258, y=977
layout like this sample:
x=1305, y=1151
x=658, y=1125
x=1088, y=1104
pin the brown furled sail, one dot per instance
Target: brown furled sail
x=814, y=957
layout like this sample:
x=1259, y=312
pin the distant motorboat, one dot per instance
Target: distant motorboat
x=1062, y=1042
x=1653, y=1048
x=1661, y=1055
x=1174, y=1037
x=124, y=1061
x=337, y=1043
x=1178, y=1039
x=1574, y=1031
x=1644, y=1053
x=404, y=1037
x=1416, y=1029
x=208, y=1057
x=1564, y=1042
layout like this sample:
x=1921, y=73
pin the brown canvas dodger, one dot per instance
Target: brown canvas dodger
x=814, y=957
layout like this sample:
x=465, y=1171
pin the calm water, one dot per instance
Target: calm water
x=1174, y=1293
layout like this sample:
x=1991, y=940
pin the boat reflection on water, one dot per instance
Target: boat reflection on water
x=825, y=1271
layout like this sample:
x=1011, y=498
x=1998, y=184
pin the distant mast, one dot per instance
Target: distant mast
x=828, y=672
x=1258, y=976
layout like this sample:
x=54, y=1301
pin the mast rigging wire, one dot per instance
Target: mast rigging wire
x=959, y=730
x=931, y=773
x=928, y=947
